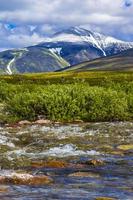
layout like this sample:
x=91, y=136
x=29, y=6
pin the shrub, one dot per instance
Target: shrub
x=106, y=105
x=130, y=104
x=70, y=102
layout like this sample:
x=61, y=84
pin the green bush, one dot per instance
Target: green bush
x=130, y=104
x=106, y=105
x=70, y=102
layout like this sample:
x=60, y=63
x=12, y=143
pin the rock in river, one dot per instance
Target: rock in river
x=125, y=147
x=95, y=162
x=105, y=198
x=85, y=174
x=49, y=164
x=25, y=179
x=3, y=189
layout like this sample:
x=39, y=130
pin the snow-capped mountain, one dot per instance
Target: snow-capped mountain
x=80, y=35
x=84, y=45
x=63, y=49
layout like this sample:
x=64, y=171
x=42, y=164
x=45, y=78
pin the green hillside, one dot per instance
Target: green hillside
x=30, y=60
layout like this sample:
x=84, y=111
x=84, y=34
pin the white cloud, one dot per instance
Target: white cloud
x=35, y=18
x=18, y=37
x=22, y=40
x=65, y=12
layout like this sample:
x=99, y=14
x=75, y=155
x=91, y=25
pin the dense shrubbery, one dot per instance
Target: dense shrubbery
x=67, y=102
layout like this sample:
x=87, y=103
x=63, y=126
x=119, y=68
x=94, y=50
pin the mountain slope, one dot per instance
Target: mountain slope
x=31, y=59
x=119, y=62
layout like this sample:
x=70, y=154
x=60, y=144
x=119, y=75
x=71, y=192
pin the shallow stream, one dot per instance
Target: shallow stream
x=83, y=161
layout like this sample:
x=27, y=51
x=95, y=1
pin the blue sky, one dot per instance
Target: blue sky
x=26, y=22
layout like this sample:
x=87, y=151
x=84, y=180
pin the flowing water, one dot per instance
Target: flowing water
x=84, y=161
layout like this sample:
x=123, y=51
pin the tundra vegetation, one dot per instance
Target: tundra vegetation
x=66, y=97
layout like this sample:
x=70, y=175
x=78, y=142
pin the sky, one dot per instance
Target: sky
x=27, y=22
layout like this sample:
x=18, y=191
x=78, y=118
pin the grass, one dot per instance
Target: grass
x=69, y=96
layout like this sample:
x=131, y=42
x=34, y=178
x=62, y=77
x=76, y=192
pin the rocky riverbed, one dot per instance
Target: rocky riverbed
x=66, y=161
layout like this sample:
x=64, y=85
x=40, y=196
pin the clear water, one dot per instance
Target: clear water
x=75, y=145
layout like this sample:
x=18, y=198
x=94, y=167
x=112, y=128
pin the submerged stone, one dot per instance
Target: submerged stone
x=105, y=198
x=118, y=152
x=3, y=189
x=49, y=164
x=95, y=162
x=85, y=174
x=125, y=147
x=55, y=164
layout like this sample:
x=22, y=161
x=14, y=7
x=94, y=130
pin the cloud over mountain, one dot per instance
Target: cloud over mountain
x=106, y=16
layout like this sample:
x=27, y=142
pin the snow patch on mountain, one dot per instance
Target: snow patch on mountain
x=94, y=41
x=56, y=50
x=9, y=66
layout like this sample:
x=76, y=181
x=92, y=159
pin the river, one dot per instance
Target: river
x=81, y=161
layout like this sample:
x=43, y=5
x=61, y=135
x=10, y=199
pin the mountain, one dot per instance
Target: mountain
x=67, y=47
x=78, y=45
x=120, y=62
